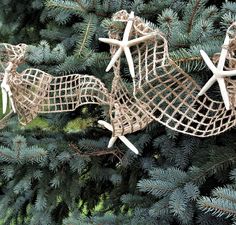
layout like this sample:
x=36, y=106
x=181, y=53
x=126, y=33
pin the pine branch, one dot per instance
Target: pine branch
x=81, y=5
x=66, y=6
x=222, y=163
x=225, y=193
x=116, y=152
x=193, y=15
x=87, y=30
x=86, y=33
x=5, y=119
x=180, y=61
x=217, y=207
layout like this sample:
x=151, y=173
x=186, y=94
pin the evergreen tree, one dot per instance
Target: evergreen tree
x=55, y=177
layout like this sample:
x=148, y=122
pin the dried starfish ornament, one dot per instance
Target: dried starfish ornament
x=74, y=90
x=122, y=138
x=14, y=54
x=161, y=91
x=125, y=44
x=218, y=73
x=6, y=90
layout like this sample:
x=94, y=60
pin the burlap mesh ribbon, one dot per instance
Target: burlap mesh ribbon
x=11, y=53
x=39, y=92
x=35, y=91
x=165, y=93
x=162, y=91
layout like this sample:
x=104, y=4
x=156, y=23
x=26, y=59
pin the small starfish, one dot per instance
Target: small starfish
x=6, y=90
x=125, y=44
x=122, y=138
x=218, y=73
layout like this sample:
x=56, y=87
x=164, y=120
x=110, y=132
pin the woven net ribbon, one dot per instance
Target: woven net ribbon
x=161, y=90
x=167, y=94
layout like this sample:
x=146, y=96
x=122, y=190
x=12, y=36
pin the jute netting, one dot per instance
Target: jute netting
x=35, y=91
x=167, y=94
x=161, y=90
x=11, y=53
x=43, y=93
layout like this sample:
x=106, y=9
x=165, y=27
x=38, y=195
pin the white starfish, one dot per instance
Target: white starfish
x=6, y=91
x=122, y=138
x=218, y=73
x=125, y=44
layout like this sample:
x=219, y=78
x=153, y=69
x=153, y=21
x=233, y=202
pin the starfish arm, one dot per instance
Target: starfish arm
x=130, y=61
x=224, y=92
x=223, y=54
x=105, y=124
x=140, y=39
x=220, y=66
x=129, y=144
x=112, y=142
x=5, y=78
x=110, y=41
x=229, y=73
x=122, y=138
x=12, y=104
x=5, y=87
x=4, y=100
x=209, y=83
x=209, y=62
x=114, y=59
x=11, y=100
x=128, y=27
x=9, y=67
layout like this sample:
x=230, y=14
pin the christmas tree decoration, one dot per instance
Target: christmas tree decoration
x=218, y=73
x=6, y=90
x=12, y=53
x=9, y=55
x=166, y=93
x=125, y=45
x=158, y=86
x=58, y=170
